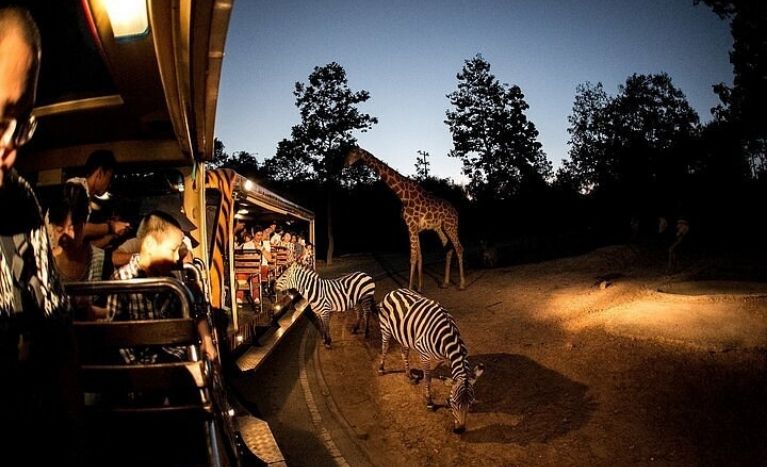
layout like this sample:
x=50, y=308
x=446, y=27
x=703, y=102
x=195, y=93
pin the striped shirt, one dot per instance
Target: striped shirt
x=29, y=282
x=130, y=307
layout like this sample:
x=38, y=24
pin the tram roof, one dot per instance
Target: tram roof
x=251, y=192
x=150, y=97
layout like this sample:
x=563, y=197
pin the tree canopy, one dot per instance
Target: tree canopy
x=491, y=134
x=634, y=141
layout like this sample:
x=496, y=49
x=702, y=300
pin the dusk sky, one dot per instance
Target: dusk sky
x=407, y=55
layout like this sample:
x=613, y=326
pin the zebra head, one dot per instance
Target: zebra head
x=287, y=279
x=462, y=396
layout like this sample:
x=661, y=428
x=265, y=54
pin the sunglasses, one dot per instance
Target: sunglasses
x=16, y=133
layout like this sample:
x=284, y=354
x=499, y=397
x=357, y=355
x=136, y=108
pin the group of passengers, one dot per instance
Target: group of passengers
x=270, y=240
x=162, y=239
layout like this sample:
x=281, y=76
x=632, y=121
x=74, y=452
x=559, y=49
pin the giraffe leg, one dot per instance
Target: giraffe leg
x=452, y=233
x=443, y=238
x=448, y=260
x=415, y=253
x=420, y=269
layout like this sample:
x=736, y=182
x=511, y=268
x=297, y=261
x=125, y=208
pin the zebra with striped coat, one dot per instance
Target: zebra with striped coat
x=355, y=290
x=420, y=323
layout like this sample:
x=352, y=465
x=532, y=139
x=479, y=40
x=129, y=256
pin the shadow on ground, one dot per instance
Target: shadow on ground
x=543, y=403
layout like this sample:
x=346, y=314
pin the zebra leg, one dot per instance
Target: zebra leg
x=363, y=309
x=325, y=328
x=427, y=387
x=358, y=312
x=371, y=310
x=385, y=336
x=406, y=358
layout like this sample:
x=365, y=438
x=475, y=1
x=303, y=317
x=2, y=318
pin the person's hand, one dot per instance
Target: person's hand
x=209, y=348
x=119, y=228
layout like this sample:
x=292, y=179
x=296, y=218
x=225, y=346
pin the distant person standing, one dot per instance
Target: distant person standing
x=99, y=171
x=39, y=395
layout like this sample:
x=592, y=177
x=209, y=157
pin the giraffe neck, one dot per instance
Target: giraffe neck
x=397, y=182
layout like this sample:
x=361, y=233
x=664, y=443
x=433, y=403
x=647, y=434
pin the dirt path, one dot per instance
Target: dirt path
x=587, y=364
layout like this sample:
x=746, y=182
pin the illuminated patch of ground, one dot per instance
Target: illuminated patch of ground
x=707, y=323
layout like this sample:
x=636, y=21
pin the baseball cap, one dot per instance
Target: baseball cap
x=169, y=206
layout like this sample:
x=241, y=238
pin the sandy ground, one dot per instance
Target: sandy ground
x=599, y=359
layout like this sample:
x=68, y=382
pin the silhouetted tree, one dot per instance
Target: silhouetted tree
x=422, y=165
x=491, y=134
x=219, y=153
x=634, y=142
x=241, y=162
x=290, y=163
x=591, y=162
x=329, y=115
x=744, y=104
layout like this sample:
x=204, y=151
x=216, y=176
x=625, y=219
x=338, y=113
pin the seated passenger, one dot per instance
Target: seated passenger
x=287, y=243
x=76, y=259
x=247, y=241
x=123, y=253
x=308, y=258
x=299, y=245
x=160, y=241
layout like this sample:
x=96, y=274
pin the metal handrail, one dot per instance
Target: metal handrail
x=147, y=285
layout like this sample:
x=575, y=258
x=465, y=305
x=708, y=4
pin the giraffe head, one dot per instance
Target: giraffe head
x=354, y=154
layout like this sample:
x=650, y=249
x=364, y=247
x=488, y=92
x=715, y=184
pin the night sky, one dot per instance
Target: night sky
x=407, y=55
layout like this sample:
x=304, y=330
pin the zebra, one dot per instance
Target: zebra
x=355, y=290
x=418, y=322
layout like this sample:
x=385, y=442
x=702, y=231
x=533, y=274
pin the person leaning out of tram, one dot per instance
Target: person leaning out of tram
x=76, y=259
x=160, y=242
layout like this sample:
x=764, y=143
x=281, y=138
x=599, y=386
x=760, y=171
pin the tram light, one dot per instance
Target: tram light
x=128, y=17
x=248, y=185
x=231, y=412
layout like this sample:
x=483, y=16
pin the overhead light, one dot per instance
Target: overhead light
x=128, y=17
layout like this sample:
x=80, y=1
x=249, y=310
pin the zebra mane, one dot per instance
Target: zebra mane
x=310, y=272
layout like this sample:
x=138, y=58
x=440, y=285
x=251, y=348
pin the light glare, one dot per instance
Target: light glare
x=128, y=17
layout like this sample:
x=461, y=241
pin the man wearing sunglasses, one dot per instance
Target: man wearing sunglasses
x=39, y=396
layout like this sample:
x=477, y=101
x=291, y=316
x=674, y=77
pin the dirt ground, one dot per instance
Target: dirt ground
x=599, y=359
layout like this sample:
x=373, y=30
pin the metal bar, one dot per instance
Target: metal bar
x=148, y=285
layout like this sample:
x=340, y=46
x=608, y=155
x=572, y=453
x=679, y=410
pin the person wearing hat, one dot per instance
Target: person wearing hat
x=169, y=203
x=160, y=240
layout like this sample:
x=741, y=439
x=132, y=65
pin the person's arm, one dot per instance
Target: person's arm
x=120, y=258
x=96, y=230
x=208, y=347
x=97, y=313
x=111, y=227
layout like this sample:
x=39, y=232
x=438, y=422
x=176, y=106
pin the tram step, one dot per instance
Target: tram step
x=259, y=439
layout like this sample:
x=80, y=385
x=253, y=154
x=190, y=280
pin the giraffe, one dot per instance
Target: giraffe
x=421, y=211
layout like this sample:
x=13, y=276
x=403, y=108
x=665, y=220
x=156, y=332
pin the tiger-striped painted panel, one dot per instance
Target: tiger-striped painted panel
x=222, y=180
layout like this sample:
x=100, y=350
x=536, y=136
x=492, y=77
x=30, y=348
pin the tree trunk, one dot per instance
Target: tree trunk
x=331, y=242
